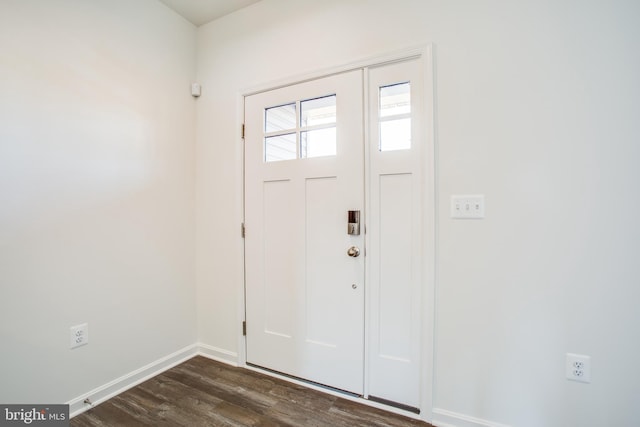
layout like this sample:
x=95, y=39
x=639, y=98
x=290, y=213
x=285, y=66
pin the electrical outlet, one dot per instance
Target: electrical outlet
x=467, y=207
x=578, y=368
x=79, y=335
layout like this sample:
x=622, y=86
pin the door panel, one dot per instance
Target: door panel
x=305, y=169
x=277, y=275
x=324, y=225
x=304, y=294
x=395, y=230
x=394, y=275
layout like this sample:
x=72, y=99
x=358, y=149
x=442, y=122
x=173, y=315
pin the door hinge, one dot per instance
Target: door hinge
x=243, y=230
x=244, y=328
x=242, y=131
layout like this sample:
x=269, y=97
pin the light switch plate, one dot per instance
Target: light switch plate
x=467, y=206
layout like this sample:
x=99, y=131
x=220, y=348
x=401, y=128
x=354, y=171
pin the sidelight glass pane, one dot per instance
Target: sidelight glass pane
x=280, y=118
x=395, y=117
x=318, y=111
x=395, y=99
x=318, y=143
x=281, y=147
x=395, y=135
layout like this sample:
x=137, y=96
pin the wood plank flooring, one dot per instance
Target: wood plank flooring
x=202, y=392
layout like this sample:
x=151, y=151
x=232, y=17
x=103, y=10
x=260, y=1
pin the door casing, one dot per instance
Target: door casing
x=426, y=55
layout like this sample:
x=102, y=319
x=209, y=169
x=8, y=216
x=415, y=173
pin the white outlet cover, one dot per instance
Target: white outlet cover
x=79, y=335
x=578, y=368
x=467, y=206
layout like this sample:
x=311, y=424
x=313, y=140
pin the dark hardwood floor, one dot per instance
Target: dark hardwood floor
x=202, y=392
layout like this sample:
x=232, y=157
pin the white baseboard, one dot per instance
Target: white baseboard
x=440, y=417
x=125, y=382
x=218, y=354
x=444, y=418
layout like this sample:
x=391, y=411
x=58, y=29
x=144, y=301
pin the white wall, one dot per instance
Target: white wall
x=97, y=192
x=537, y=106
x=537, y=109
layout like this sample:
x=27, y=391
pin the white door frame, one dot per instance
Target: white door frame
x=425, y=53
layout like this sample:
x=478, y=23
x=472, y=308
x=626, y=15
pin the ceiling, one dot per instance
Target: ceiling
x=200, y=12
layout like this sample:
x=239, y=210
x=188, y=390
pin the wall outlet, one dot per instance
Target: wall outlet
x=467, y=207
x=578, y=368
x=79, y=335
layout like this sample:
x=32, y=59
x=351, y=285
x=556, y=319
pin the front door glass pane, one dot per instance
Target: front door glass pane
x=281, y=147
x=318, y=111
x=318, y=143
x=280, y=118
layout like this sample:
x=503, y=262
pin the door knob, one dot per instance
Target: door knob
x=353, y=251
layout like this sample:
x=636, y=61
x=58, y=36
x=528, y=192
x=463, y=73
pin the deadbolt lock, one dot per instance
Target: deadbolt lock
x=353, y=223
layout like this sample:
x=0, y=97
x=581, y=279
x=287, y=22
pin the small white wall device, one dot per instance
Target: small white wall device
x=196, y=90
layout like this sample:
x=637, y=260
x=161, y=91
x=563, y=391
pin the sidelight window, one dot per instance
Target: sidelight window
x=395, y=117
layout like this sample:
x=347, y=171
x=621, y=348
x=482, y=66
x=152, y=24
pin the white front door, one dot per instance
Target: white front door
x=304, y=172
x=308, y=164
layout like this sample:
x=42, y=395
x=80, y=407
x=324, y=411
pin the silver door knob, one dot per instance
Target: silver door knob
x=353, y=251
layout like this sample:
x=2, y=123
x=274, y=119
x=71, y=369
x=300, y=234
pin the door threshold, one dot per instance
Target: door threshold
x=305, y=381
x=383, y=404
x=395, y=404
